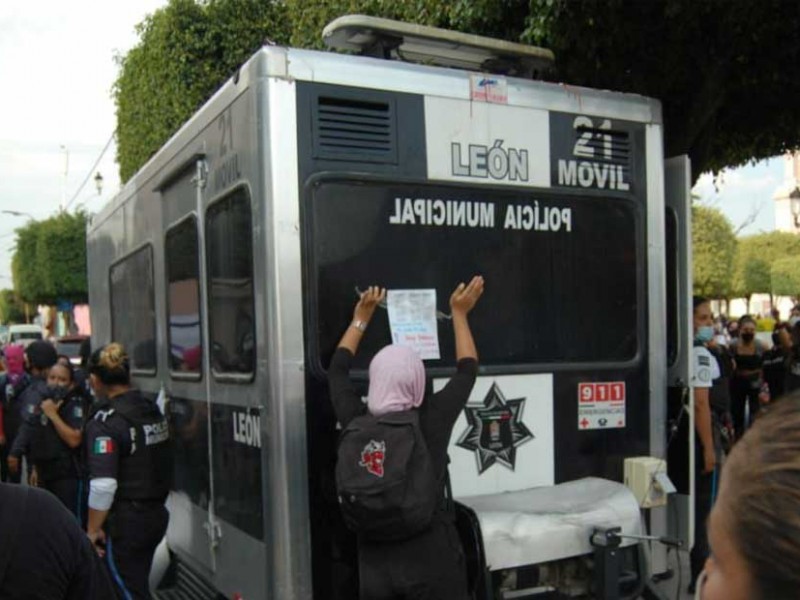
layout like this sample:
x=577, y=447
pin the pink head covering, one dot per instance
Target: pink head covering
x=396, y=380
x=15, y=362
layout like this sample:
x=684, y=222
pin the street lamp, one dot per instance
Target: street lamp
x=794, y=203
x=98, y=182
x=16, y=213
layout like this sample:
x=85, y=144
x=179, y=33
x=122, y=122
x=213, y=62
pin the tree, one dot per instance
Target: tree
x=713, y=252
x=757, y=253
x=719, y=68
x=786, y=276
x=49, y=263
x=186, y=51
x=11, y=308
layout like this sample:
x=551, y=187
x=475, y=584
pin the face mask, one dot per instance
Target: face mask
x=747, y=337
x=56, y=392
x=704, y=334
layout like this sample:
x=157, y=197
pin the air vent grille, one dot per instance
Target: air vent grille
x=355, y=129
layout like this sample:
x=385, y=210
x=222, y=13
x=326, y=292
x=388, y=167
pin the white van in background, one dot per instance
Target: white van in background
x=24, y=334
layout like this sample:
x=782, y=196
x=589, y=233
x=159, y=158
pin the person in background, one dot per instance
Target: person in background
x=792, y=375
x=748, y=353
x=733, y=331
x=52, y=439
x=39, y=356
x=775, y=360
x=12, y=383
x=754, y=527
x=705, y=370
x=794, y=315
x=130, y=471
x=720, y=398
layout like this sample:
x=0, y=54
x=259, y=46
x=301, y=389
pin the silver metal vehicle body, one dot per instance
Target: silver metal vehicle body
x=228, y=267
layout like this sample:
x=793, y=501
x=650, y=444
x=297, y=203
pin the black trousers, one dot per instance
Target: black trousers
x=133, y=533
x=72, y=493
x=703, y=499
x=5, y=474
x=743, y=391
x=430, y=566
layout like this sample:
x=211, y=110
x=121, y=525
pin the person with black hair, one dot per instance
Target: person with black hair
x=130, y=471
x=704, y=371
x=52, y=439
x=44, y=554
x=792, y=376
x=39, y=357
x=775, y=360
x=748, y=353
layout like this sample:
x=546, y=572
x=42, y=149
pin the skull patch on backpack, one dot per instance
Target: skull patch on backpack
x=372, y=457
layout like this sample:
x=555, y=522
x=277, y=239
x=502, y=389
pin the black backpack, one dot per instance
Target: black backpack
x=385, y=478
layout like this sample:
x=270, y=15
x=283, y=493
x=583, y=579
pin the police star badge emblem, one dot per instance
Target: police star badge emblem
x=495, y=430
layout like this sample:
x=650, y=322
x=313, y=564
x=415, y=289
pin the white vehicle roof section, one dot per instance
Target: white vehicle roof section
x=374, y=73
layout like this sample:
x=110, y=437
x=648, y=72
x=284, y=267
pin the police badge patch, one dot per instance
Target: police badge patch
x=495, y=430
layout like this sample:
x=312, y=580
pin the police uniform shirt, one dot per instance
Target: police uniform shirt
x=129, y=441
x=71, y=412
x=107, y=438
x=705, y=368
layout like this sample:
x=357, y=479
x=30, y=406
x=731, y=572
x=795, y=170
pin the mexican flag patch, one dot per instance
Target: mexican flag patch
x=104, y=445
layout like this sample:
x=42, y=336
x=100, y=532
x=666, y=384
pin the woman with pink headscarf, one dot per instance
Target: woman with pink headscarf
x=12, y=383
x=431, y=564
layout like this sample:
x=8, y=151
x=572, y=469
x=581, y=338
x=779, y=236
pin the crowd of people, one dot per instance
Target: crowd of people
x=102, y=451
x=98, y=464
x=738, y=382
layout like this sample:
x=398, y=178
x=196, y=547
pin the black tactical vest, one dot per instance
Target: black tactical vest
x=145, y=473
x=46, y=444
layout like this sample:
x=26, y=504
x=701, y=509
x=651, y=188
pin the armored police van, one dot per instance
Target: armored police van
x=230, y=263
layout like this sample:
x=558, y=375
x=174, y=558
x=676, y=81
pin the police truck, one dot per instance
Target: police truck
x=229, y=265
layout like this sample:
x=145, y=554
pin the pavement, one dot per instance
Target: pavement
x=680, y=575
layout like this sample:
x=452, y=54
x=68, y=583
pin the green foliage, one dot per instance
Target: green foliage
x=49, y=263
x=719, y=68
x=786, y=276
x=186, y=51
x=757, y=253
x=11, y=308
x=713, y=252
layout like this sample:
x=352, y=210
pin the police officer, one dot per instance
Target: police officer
x=52, y=437
x=130, y=469
x=39, y=356
x=704, y=371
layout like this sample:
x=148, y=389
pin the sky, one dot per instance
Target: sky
x=57, y=68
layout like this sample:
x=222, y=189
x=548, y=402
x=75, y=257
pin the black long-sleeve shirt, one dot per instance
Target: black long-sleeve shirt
x=437, y=414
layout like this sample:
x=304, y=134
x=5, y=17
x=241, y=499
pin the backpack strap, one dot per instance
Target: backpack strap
x=450, y=505
x=16, y=497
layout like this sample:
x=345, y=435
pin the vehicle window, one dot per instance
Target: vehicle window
x=68, y=348
x=133, y=315
x=229, y=250
x=562, y=276
x=26, y=335
x=183, y=298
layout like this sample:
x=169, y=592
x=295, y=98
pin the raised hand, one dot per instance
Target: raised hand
x=464, y=297
x=365, y=307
